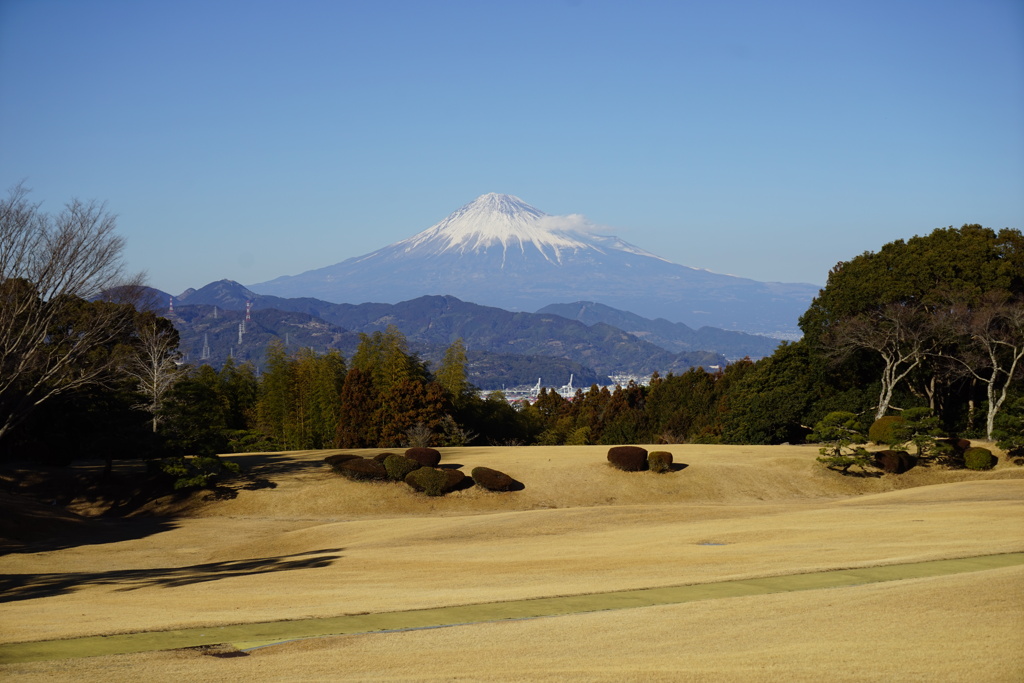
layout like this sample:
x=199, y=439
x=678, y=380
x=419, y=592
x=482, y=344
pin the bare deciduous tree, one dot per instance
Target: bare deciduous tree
x=992, y=351
x=52, y=339
x=897, y=333
x=153, y=363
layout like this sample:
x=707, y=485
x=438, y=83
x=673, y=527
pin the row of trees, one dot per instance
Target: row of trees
x=384, y=396
x=935, y=323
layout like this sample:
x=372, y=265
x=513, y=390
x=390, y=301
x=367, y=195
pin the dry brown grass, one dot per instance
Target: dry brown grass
x=319, y=545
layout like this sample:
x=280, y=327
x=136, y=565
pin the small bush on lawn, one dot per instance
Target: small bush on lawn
x=659, y=461
x=842, y=463
x=398, y=466
x=628, y=458
x=979, y=459
x=921, y=428
x=381, y=457
x=887, y=431
x=894, y=462
x=1009, y=430
x=362, y=469
x=429, y=480
x=839, y=431
x=493, y=480
x=456, y=479
x=428, y=457
x=338, y=458
x=950, y=452
x=199, y=471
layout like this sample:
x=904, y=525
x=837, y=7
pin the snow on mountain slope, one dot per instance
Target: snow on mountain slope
x=500, y=219
x=500, y=251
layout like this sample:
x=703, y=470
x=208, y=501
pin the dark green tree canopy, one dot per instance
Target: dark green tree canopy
x=949, y=265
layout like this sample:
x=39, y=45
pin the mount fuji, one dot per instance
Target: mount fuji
x=500, y=251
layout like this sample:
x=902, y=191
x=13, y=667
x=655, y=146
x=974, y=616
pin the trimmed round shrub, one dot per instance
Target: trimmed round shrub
x=979, y=459
x=381, y=457
x=884, y=430
x=628, y=458
x=493, y=480
x=362, y=469
x=950, y=452
x=428, y=457
x=457, y=479
x=397, y=466
x=429, y=480
x=659, y=461
x=338, y=458
x=894, y=462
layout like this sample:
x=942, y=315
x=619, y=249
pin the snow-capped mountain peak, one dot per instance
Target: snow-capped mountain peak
x=500, y=251
x=498, y=219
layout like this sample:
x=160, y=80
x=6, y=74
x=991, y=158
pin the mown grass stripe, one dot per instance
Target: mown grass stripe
x=265, y=633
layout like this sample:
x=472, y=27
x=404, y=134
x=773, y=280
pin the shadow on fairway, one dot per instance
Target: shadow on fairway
x=258, y=472
x=267, y=464
x=15, y=587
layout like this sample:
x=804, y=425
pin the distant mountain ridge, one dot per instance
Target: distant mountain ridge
x=671, y=336
x=434, y=322
x=500, y=251
x=210, y=335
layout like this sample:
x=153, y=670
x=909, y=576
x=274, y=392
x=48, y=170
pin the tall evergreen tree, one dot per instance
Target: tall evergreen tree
x=357, y=413
x=274, y=407
x=452, y=373
x=241, y=389
x=196, y=414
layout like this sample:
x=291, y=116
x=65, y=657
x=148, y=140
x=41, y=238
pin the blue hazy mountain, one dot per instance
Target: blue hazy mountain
x=431, y=323
x=668, y=335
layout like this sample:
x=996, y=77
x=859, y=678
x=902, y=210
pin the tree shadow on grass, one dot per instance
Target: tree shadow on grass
x=860, y=474
x=267, y=464
x=258, y=471
x=28, y=526
x=466, y=483
x=15, y=587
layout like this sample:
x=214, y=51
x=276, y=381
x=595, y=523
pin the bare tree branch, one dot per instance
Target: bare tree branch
x=898, y=333
x=53, y=337
x=153, y=365
x=992, y=348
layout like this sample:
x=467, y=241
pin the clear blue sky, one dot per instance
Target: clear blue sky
x=248, y=140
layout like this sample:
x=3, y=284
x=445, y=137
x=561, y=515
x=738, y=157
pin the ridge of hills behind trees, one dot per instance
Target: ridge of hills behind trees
x=934, y=323
x=591, y=348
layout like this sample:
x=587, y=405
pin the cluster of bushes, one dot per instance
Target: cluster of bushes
x=637, y=459
x=419, y=468
x=193, y=472
x=841, y=431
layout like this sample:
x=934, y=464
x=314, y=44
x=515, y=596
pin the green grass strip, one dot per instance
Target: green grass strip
x=250, y=635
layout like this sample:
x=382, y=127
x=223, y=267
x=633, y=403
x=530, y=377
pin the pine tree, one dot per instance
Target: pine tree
x=359, y=404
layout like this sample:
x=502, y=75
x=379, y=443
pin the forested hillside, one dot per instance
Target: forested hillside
x=506, y=348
